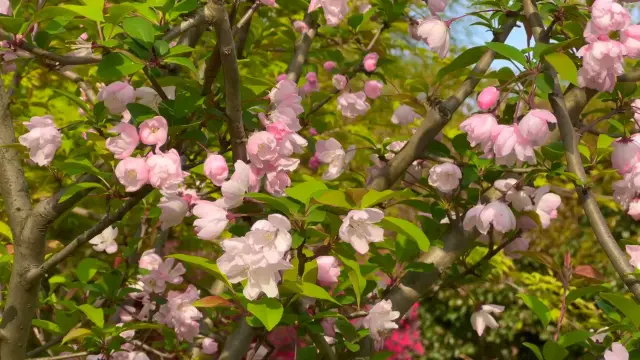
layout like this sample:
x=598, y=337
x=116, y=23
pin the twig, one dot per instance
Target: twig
x=197, y=20
x=590, y=127
x=153, y=350
x=155, y=85
x=88, y=90
x=303, y=45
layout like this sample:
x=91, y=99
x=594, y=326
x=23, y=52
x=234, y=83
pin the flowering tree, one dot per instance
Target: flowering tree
x=181, y=133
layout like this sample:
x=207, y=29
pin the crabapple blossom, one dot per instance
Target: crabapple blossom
x=216, y=169
x=133, y=173
x=212, y=220
x=123, y=145
x=370, y=61
x=353, y=105
x=329, y=328
x=329, y=65
x=262, y=148
x=233, y=190
x=209, y=346
x=630, y=38
x=5, y=8
x=300, y=26
x=373, y=89
x=312, y=83
x=165, y=170
x=515, y=247
x=602, y=61
x=607, y=16
x=270, y=3
x=285, y=93
x=328, y=270
x=546, y=205
x=330, y=152
x=154, y=131
x=167, y=272
x=149, y=97
x=106, y=240
x=482, y=318
x=381, y=319
x=277, y=182
x=634, y=209
x=496, y=213
x=626, y=153
x=404, y=115
x=116, y=96
x=435, y=33
x=479, y=128
x=271, y=237
x=358, y=230
x=634, y=252
x=635, y=107
x=149, y=260
x=617, y=352
x=488, y=98
x=334, y=10
x=43, y=139
x=174, y=209
x=535, y=126
x=510, y=145
x=180, y=314
x=339, y=81
x=445, y=177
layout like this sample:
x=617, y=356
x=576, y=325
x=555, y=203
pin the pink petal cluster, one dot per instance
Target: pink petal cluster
x=209, y=346
x=404, y=115
x=496, y=214
x=634, y=252
x=43, y=139
x=606, y=16
x=370, y=62
x=373, y=89
x=488, y=98
x=180, y=314
x=300, y=26
x=132, y=172
x=216, y=169
x=329, y=65
x=353, y=105
x=339, y=81
x=154, y=131
x=626, y=153
x=627, y=189
x=617, y=352
x=116, y=96
x=482, y=318
x=437, y=6
x=106, y=240
x=5, y=7
x=258, y=256
x=445, y=177
x=381, y=319
x=525, y=198
x=123, y=145
x=212, y=219
x=334, y=10
x=328, y=270
x=165, y=170
x=630, y=38
x=435, y=33
x=516, y=246
x=358, y=229
x=270, y=3
x=312, y=84
x=165, y=272
x=174, y=208
x=330, y=152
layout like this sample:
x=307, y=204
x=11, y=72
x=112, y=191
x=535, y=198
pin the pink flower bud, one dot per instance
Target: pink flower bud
x=329, y=65
x=339, y=81
x=488, y=98
x=373, y=89
x=313, y=132
x=328, y=270
x=216, y=169
x=370, y=62
x=300, y=26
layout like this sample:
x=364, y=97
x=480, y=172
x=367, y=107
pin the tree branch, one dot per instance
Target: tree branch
x=105, y=222
x=58, y=59
x=574, y=163
x=216, y=11
x=197, y=20
x=88, y=90
x=302, y=48
x=437, y=118
x=237, y=344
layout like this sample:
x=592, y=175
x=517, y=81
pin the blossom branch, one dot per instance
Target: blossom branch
x=238, y=342
x=197, y=20
x=59, y=59
x=294, y=70
x=574, y=164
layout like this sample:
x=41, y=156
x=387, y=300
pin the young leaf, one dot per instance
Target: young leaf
x=212, y=301
x=627, y=306
x=304, y=191
x=508, y=51
x=574, y=337
x=94, y=314
x=564, y=66
x=538, y=307
x=534, y=348
x=116, y=65
x=47, y=325
x=76, y=334
x=268, y=310
x=6, y=231
x=139, y=29
x=408, y=229
x=183, y=61
x=317, y=292
x=73, y=189
x=552, y=351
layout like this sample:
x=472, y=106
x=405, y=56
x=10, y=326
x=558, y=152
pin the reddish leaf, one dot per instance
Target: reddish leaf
x=212, y=301
x=588, y=271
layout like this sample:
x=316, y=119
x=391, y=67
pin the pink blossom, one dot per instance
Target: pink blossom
x=381, y=319
x=154, y=131
x=277, y=182
x=165, y=170
x=404, y=115
x=445, y=177
x=329, y=65
x=328, y=270
x=479, y=128
x=212, y=220
x=358, y=230
x=353, y=105
x=300, y=26
x=271, y=237
x=157, y=280
x=285, y=93
x=283, y=114
x=626, y=153
x=133, y=173
x=123, y=145
x=488, y=98
x=43, y=139
x=509, y=145
x=149, y=260
x=364, y=7
x=216, y=169
x=330, y=152
x=270, y=3
x=482, y=318
x=608, y=16
x=314, y=162
x=234, y=189
x=180, y=314
x=174, y=209
x=546, y=205
x=106, y=240
x=435, y=33
x=634, y=209
x=116, y=96
x=209, y=346
x=334, y=10
x=495, y=213
x=281, y=77
x=515, y=247
x=630, y=38
x=602, y=62
x=370, y=62
x=262, y=148
x=535, y=126
x=312, y=83
x=601, y=81
x=635, y=107
x=5, y=8
x=149, y=97
x=329, y=326
x=339, y=81
x=634, y=252
x=436, y=6
x=373, y=89
x=617, y=352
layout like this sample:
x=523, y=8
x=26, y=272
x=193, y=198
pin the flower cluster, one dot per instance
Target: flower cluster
x=258, y=256
x=509, y=144
x=334, y=10
x=603, y=57
x=330, y=152
x=43, y=139
x=180, y=314
x=626, y=192
x=354, y=104
x=117, y=95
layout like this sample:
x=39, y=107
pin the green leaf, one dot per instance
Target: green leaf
x=552, y=351
x=374, y=197
x=6, y=231
x=317, y=292
x=468, y=57
x=627, y=306
x=544, y=82
x=534, y=349
x=553, y=151
x=604, y=141
x=333, y=198
x=116, y=65
x=76, y=334
x=564, y=66
x=357, y=280
x=354, y=21
x=93, y=9
x=180, y=49
x=73, y=189
x=94, y=314
x=581, y=292
x=256, y=85
x=11, y=24
x=183, y=61
x=538, y=307
x=140, y=29
x=304, y=191
x=282, y=204
x=268, y=310
x=508, y=51
x=408, y=229
x=88, y=267
x=205, y=264
x=47, y=325
x=574, y=337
